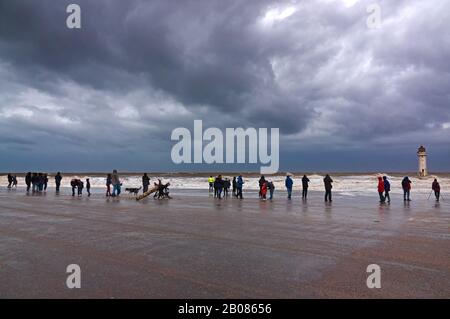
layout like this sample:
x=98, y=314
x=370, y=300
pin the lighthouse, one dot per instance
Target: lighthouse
x=422, y=155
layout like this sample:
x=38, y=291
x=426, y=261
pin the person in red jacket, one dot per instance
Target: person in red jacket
x=381, y=189
x=264, y=190
x=437, y=189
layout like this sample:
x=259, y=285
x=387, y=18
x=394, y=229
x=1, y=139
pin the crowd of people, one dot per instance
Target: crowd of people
x=219, y=186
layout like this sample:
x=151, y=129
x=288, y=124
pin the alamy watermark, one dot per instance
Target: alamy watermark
x=73, y=21
x=236, y=140
x=74, y=279
x=374, y=279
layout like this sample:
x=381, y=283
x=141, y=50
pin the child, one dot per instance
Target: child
x=88, y=187
x=108, y=185
x=264, y=190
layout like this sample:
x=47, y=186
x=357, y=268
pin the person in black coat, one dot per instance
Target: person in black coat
x=305, y=185
x=218, y=187
x=28, y=181
x=327, y=181
x=80, y=186
x=145, y=182
x=437, y=189
x=73, y=184
x=10, y=180
x=88, y=187
x=58, y=179
x=226, y=187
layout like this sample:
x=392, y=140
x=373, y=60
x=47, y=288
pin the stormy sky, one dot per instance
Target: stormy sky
x=345, y=97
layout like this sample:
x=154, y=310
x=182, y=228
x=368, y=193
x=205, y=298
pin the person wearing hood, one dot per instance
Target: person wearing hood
x=239, y=186
x=328, y=183
x=264, y=191
x=381, y=189
x=28, y=181
x=145, y=182
x=305, y=185
x=406, y=185
x=289, y=183
x=58, y=179
x=115, y=180
x=387, y=189
x=437, y=189
x=261, y=182
x=211, y=183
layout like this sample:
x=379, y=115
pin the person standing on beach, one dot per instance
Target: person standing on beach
x=58, y=179
x=88, y=187
x=381, y=189
x=116, y=183
x=271, y=188
x=305, y=185
x=387, y=189
x=289, y=183
x=108, y=185
x=28, y=181
x=261, y=182
x=218, y=186
x=45, y=178
x=239, y=186
x=406, y=185
x=264, y=191
x=14, y=182
x=211, y=184
x=437, y=189
x=80, y=186
x=226, y=187
x=40, y=182
x=10, y=180
x=73, y=184
x=145, y=183
x=34, y=182
x=328, y=182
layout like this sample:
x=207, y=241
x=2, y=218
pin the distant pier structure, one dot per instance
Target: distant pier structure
x=422, y=155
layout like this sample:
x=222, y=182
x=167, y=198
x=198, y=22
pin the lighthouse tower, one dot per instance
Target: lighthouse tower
x=422, y=154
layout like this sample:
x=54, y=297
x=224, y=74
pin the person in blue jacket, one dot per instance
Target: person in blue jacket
x=239, y=185
x=289, y=183
x=387, y=189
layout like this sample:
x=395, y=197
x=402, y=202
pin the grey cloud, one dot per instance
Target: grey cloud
x=319, y=74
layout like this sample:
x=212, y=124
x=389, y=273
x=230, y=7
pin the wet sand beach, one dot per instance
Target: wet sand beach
x=194, y=246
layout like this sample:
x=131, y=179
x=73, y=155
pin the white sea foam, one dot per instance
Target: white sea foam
x=347, y=185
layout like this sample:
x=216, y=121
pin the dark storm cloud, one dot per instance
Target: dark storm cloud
x=137, y=69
